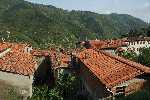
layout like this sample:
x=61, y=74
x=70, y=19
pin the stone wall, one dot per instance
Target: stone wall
x=131, y=86
x=111, y=51
x=23, y=84
x=93, y=85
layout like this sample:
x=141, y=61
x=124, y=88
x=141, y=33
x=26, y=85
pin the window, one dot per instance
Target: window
x=133, y=49
x=120, y=90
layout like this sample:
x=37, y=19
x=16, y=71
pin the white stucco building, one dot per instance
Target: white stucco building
x=113, y=46
x=136, y=44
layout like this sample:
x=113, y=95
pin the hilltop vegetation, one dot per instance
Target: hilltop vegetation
x=44, y=25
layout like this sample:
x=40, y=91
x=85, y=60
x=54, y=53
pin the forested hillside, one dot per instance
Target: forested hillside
x=45, y=26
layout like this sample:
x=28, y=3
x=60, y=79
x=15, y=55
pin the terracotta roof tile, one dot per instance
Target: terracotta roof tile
x=111, y=70
x=40, y=53
x=58, y=59
x=65, y=59
x=17, y=60
x=104, y=44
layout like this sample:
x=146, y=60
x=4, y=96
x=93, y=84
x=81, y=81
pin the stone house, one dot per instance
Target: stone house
x=18, y=66
x=61, y=63
x=44, y=73
x=56, y=63
x=104, y=75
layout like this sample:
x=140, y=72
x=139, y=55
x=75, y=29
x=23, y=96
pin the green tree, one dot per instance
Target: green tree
x=144, y=56
x=129, y=55
x=67, y=85
x=148, y=31
x=44, y=93
x=42, y=26
x=132, y=33
x=54, y=95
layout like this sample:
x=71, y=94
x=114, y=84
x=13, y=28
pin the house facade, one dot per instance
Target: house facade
x=135, y=44
x=107, y=76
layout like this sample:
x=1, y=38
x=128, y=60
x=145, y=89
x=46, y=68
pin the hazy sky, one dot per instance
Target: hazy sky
x=138, y=8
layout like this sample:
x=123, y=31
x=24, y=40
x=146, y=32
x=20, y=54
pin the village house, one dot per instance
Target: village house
x=56, y=62
x=136, y=43
x=114, y=46
x=61, y=62
x=110, y=46
x=104, y=75
x=18, y=67
x=44, y=74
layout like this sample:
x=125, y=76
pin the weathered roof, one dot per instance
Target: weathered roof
x=64, y=59
x=16, y=60
x=111, y=70
x=40, y=53
x=106, y=44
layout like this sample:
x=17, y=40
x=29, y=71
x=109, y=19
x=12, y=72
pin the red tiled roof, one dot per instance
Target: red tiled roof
x=51, y=52
x=104, y=44
x=3, y=46
x=17, y=60
x=40, y=53
x=111, y=70
x=65, y=59
x=58, y=59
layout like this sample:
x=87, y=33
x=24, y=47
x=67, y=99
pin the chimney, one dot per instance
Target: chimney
x=28, y=49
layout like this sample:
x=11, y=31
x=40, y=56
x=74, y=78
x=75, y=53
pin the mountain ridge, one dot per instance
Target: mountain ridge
x=45, y=24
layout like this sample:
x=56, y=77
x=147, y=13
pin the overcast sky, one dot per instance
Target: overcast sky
x=137, y=8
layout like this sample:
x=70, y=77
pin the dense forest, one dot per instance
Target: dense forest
x=46, y=25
